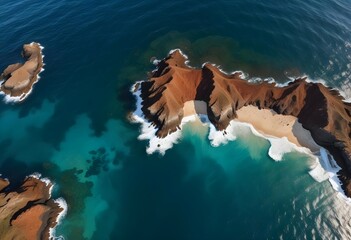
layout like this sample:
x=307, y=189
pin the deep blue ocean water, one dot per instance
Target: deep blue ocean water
x=73, y=128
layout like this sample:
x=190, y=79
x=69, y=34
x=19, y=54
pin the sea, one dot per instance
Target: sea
x=74, y=127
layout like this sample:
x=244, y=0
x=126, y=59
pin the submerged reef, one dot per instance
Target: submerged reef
x=319, y=109
x=18, y=79
x=28, y=211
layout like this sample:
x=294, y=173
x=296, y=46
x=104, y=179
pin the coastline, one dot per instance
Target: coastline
x=270, y=123
x=276, y=127
x=284, y=133
x=60, y=202
x=29, y=211
x=250, y=116
x=17, y=93
x=319, y=109
x=148, y=130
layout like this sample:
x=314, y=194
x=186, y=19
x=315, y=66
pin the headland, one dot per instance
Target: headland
x=308, y=114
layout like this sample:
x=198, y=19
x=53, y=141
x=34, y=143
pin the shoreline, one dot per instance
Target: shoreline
x=20, y=93
x=297, y=139
x=61, y=202
x=320, y=116
x=41, y=213
x=285, y=135
x=270, y=123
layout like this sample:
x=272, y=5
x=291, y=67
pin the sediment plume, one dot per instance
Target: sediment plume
x=319, y=109
x=28, y=212
x=18, y=79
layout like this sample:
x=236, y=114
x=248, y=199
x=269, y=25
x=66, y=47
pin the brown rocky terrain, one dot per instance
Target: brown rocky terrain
x=27, y=212
x=18, y=78
x=319, y=109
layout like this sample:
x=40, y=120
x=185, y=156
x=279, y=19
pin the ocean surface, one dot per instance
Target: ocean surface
x=73, y=128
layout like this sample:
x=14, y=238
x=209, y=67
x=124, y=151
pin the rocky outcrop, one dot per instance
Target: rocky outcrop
x=319, y=109
x=18, y=78
x=27, y=211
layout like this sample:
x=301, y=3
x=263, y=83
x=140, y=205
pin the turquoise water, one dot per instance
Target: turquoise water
x=73, y=127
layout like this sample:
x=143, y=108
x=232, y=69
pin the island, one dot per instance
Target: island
x=174, y=90
x=28, y=211
x=17, y=79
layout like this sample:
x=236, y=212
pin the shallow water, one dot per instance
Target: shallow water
x=73, y=127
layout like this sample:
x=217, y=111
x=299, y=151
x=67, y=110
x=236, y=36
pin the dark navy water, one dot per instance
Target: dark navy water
x=73, y=128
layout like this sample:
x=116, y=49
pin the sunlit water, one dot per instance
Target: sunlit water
x=73, y=127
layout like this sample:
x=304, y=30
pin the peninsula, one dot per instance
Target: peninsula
x=298, y=106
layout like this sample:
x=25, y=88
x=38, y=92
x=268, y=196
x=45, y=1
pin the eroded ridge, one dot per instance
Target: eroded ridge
x=319, y=109
x=18, y=79
x=28, y=211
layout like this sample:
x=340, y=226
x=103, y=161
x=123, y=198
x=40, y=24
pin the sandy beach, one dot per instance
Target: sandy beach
x=270, y=123
x=265, y=121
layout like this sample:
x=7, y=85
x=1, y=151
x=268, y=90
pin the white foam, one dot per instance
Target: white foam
x=11, y=99
x=156, y=62
x=148, y=131
x=269, y=80
x=35, y=175
x=52, y=231
x=49, y=184
x=218, y=138
x=279, y=146
x=332, y=168
x=318, y=172
x=318, y=80
x=345, y=91
x=156, y=144
x=46, y=181
x=178, y=49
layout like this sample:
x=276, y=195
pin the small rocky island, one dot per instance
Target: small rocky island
x=18, y=79
x=28, y=212
x=319, y=109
